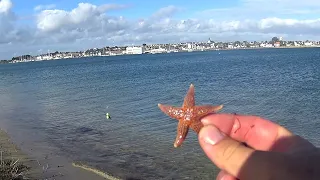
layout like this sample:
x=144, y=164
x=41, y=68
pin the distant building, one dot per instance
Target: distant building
x=135, y=50
x=155, y=51
x=266, y=45
x=308, y=43
x=277, y=44
x=44, y=57
x=296, y=44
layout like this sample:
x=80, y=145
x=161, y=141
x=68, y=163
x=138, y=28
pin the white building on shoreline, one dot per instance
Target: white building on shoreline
x=135, y=50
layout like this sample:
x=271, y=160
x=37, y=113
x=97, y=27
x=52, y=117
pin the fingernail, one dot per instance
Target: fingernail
x=222, y=175
x=205, y=120
x=211, y=135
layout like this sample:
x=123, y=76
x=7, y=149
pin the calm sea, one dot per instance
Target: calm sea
x=64, y=103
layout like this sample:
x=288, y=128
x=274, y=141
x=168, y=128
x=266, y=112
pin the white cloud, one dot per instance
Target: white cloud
x=89, y=25
x=165, y=12
x=85, y=17
x=9, y=31
x=44, y=7
x=5, y=6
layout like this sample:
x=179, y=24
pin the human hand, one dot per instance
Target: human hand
x=249, y=147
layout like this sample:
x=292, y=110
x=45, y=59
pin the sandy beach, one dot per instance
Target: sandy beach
x=44, y=168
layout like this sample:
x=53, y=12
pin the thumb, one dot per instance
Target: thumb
x=238, y=160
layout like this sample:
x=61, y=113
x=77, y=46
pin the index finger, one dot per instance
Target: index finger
x=258, y=133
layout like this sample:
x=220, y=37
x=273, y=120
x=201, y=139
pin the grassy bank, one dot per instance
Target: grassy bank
x=14, y=164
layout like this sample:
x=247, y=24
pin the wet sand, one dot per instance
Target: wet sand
x=48, y=167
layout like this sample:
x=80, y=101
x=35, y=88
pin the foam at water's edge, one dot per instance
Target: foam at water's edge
x=96, y=171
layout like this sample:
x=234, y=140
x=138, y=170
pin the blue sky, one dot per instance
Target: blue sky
x=33, y=27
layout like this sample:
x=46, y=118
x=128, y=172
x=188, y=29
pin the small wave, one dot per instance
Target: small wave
x=96, y=171
x=83, y=130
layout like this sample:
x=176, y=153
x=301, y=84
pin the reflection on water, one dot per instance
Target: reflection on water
x=64, y=103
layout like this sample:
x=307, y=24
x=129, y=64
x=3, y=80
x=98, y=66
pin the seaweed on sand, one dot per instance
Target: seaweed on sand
x=12, y=169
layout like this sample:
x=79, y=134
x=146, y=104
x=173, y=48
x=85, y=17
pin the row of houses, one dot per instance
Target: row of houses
x=166, y=48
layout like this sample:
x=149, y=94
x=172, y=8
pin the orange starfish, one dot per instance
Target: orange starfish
x=189, y=115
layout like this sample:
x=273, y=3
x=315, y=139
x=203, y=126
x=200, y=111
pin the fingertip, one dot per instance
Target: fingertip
x=207, y=119
x=223, y=175
x=213, y=118
x=210, y=135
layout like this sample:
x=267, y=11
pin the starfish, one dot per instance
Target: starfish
x=188, y=115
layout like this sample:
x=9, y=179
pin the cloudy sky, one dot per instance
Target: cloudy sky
x=34, y=26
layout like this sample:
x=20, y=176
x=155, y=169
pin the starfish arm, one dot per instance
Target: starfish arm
x=205, y=110
x=196, y=126
x=173, y=112
x=189, y=99
x=182, y=132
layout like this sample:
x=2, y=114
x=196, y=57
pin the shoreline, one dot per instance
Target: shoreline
x=208, y=50
x=49, y=167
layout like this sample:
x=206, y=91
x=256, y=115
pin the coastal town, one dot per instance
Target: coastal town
x=275, y=42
